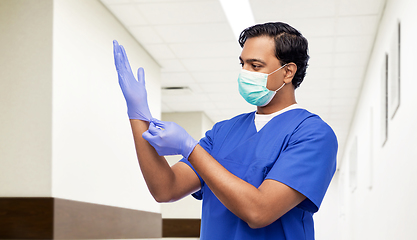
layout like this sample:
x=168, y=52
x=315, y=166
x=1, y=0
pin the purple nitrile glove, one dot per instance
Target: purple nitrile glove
x=169, y=138
x=133, y=90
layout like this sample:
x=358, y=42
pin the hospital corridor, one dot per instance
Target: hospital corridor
x=93, y=94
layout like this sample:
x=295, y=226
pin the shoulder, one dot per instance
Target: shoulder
x=315, y=122
x=240, y=117
x=308, y=119
x=225, y=126
x=313, y=126
x=233, y=121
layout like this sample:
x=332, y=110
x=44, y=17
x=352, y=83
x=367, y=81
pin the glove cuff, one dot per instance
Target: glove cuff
x=139, y=115
x=191, y=143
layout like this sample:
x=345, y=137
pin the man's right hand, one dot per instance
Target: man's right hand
x=169, y=138
x=133, y=90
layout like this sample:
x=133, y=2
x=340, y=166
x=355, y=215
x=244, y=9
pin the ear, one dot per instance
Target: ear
x=290, y=71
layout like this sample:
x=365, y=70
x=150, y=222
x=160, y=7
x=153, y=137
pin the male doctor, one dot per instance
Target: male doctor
x=261, y=175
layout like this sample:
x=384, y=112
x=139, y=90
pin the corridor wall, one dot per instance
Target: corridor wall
x=372, y=194
x=66, y=147
x=196, y=124
x=93, y=154
x=25, y=98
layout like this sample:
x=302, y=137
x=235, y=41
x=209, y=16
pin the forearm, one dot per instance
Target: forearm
x=164, y=182
x=157, y=173
x=240, y=197
x=258, y=207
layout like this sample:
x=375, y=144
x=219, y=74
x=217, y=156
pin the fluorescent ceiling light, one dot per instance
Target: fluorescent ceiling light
x=239, y=14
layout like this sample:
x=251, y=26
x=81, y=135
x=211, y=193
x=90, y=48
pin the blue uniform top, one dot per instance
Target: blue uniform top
x=296, y=148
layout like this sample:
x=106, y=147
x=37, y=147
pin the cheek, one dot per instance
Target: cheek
x=269, y=83
x=272, y=83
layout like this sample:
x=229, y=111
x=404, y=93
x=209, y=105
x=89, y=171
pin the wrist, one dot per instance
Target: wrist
x=191, y=143
x=139, y=124
x=140, y=115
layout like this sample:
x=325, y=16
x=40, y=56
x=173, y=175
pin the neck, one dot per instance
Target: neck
x=281, y=100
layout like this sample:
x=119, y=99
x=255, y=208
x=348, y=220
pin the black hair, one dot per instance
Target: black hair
x=290, y=45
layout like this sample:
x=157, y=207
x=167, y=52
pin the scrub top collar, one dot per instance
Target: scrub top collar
x=262, y=119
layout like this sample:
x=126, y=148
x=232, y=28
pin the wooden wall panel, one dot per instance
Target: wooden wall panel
x=79, y=220
x=53, y=218
x=26, y=218
x=181, y=227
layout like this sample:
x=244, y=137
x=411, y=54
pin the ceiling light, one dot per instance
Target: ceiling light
x=239, y=14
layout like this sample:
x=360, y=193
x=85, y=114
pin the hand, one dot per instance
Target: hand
x=169, y=138
x=133, y=91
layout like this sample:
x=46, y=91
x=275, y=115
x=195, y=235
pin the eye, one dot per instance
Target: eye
x=255, y=66
x=241, y=64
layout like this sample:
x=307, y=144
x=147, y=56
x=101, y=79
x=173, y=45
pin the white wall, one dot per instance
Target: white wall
x=25, y=98
x=382, y=204
x=93, y=154
x=196, y=124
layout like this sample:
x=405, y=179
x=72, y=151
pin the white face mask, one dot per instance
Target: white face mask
x=252, y=87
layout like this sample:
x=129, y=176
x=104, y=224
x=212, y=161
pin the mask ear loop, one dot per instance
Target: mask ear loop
x=280, y=87
x=274, y=72
x=278, y=69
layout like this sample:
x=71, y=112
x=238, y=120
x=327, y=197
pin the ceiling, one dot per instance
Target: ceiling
x=195, y=46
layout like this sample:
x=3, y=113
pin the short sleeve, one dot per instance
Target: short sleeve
x=207, y=143
x=308, y=163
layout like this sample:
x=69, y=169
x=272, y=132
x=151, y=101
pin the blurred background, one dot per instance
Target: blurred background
x=68, y=167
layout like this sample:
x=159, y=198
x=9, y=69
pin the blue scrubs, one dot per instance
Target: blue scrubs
x=296, y=148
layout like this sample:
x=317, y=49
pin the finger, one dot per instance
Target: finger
x=114, y=47
x=158, y=123
x=147, y=135
x=118, y=59
x=153, y=129
x=126, y=60
x=115, y=44
x=141, y=75
x=116, y=54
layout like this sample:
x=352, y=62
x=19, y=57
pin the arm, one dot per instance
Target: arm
x=164, y=183
x=258, y=207
x=307, y=165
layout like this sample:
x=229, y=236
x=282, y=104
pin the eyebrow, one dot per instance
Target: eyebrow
x=252, y=60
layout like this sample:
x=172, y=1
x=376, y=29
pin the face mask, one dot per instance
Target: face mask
x=252, y=87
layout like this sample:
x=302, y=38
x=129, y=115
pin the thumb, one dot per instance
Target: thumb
x=153, y=129
x=141, y=75
x=147, y=136
x=158, y=123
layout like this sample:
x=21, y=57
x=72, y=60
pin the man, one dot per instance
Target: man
x=261, y=175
